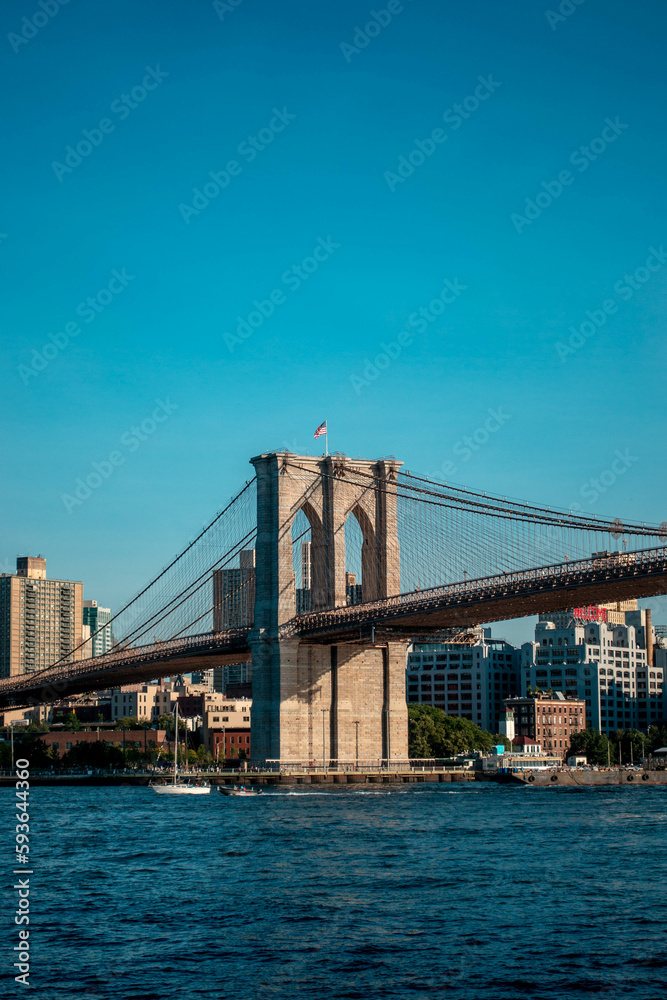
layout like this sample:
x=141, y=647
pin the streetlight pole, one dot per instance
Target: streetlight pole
x=324, y=741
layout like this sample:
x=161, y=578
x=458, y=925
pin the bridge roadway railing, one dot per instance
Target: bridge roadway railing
x=155, y=651
x=595, y=569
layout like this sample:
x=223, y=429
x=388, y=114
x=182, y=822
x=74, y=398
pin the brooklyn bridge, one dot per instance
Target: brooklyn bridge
x=320, y=571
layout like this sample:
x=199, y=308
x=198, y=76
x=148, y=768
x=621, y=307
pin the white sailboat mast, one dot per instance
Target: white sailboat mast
x=176, y=745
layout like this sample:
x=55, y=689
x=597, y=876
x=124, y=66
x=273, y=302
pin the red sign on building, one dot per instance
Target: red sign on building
x=591, y=614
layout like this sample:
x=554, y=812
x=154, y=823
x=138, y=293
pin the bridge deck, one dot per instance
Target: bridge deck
x=496, y=598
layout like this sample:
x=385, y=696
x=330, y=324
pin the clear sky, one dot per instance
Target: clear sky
x=321, y=136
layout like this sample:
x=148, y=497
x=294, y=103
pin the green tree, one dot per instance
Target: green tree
x=595, y=745
x=656, y=737
x=629, y=745
x=72, y=724
x=38, y=753
x=166, y=721
x=95, y=754
x=128, y=722
x=37, y=727
x=433, y=733
x=133, y=755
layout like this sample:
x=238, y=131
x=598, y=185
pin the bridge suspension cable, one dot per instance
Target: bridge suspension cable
x=181, y=594
x=450, y=533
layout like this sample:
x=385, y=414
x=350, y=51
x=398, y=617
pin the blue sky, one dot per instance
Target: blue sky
x=332, y=126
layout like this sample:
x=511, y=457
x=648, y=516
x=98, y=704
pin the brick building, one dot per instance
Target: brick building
x=148, y=739
x=549, y=720
x=230, y=743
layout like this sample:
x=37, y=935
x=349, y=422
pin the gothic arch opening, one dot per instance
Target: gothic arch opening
x=308, y=560
x=360, y=561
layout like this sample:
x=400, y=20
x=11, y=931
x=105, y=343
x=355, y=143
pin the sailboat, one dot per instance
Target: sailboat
x=179, y=786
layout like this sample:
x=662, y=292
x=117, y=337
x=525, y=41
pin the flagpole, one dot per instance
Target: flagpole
x=326, y=442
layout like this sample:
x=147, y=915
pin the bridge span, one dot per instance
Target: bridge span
x=597, y=580
x=614, y=577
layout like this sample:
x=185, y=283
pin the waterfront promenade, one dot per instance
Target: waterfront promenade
x=330, y=778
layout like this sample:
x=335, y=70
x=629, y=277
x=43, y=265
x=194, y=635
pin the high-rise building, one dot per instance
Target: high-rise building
x=590, y=654
x=468, y=676
x=98, y=619
x=304, y=601
x=353, y=589
x=234, y=594
x=217, y=679
x=205, y=678
x=40, y=620
x=306, y=565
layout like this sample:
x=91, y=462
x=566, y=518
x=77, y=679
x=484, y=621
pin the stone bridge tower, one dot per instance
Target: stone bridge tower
x=315, y=702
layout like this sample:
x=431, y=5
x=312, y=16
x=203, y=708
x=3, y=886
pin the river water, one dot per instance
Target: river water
x=473, y=891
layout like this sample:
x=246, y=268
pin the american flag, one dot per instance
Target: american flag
x=322, y=429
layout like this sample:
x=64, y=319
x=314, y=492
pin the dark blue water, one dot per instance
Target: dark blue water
x=468, y=892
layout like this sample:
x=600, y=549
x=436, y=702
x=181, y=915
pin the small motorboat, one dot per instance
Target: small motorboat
x=238, y=790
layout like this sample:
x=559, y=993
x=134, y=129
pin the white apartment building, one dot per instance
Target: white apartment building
x=150, y=701
x=468, y=677
x=606, y=664
x=136, y=700
x=98, y=621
